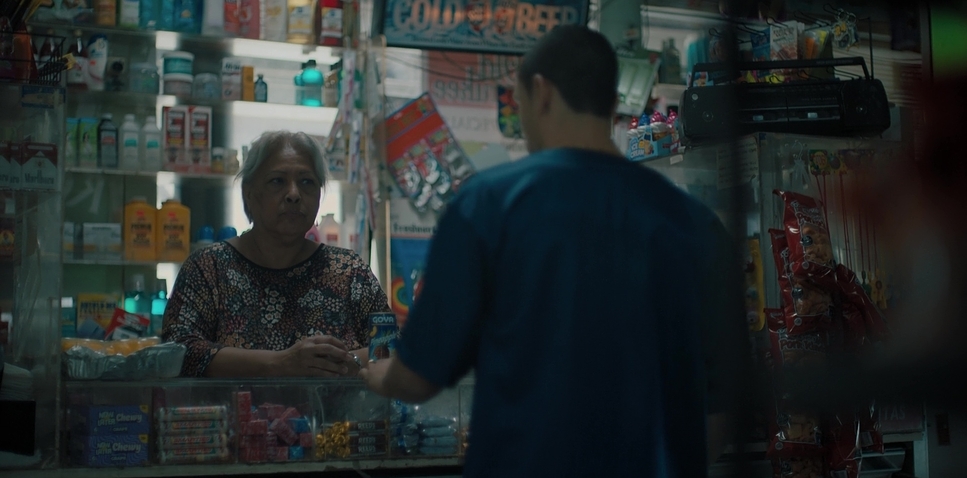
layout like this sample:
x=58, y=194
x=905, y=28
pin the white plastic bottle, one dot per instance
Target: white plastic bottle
x=150, y=145
x=129, y=144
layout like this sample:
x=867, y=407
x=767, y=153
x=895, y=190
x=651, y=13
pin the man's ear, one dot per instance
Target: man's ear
x=542, y=93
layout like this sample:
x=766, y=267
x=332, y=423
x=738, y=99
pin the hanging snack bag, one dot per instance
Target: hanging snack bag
x=807, y=235
x=854, y=327
x=795, y=432
x=853, y=292
x=807, y=305
x=796, y=351
x=870, y=436
x=795, y=467
x=842, y=435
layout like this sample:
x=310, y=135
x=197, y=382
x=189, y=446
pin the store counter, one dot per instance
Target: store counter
x=196, y=427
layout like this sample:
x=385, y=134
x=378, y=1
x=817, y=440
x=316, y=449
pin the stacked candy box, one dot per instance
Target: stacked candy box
x=109, y=435
x=271, y=432
x=342, y=440
x=193, y=434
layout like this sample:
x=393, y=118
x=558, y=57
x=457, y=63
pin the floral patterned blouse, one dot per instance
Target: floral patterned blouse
x=222, y=299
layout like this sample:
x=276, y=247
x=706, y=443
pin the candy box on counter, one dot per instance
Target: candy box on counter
x=110, y=420
x=114, y=450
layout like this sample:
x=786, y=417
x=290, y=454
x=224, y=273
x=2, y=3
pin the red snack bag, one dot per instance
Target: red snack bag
x=792, y=351
x=795, y=467
x=794, y=432
x=807, y=304
x=810, y=249
x=853, y=292
x=285, y=433
x=842, y=435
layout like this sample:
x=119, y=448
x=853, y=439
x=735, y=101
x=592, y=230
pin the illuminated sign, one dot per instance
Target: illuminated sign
x=492, y=26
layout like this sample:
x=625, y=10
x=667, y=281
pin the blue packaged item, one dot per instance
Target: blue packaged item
x=437, y=421
x=296, y=453
x=110, y=420
x=299, y=425
x=103, y=451
x=401, y=429
x=439, y=441
x=166, y=15
x=438, y=450
x=148, y=14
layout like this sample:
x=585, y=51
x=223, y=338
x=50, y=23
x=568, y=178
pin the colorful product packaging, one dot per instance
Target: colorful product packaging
x=231, y=79
x=249, y=17
x=126, y=325
x=175, y=136
x=87, y=142
x=39, y=166
x=15, y=171
x=200, y=138
x=5, y=164
x=94, y=314
x=383, y=335
x=104, y=451
x=109, y=420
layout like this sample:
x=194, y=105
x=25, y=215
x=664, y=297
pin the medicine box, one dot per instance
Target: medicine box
x=101, y=241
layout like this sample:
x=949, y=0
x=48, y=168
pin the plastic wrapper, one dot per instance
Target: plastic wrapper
x=853, y=292
x=439, y=441
x=794, y=467
x=810, y=248
x=870, y=436
x=438, y=431
x=438, y=450
x=437, y=422
x=796, y=351
x=404, y=429
x=213, y=412
x=83, y=362
x=403, y=413
x=842, y=445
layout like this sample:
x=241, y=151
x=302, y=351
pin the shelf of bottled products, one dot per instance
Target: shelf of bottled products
x=148, y=174
x=134, y=99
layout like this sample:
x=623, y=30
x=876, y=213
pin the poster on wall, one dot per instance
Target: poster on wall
x=492, y=26
x=423, y=157
x=410, y=234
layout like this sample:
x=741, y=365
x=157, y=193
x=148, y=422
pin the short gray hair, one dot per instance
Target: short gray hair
x=270, y=144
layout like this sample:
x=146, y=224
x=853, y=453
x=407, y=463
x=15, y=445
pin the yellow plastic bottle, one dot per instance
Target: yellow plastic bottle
x=140, y=224
x=174, y=226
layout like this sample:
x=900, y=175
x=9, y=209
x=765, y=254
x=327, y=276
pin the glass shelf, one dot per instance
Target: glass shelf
x=245, y=47
x=148, y=174
x=114, y=262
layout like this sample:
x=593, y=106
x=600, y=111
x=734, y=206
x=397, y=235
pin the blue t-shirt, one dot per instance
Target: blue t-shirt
x=589, y=295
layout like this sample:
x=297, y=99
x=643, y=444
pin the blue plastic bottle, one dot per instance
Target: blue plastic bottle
x=311, y=81
x=159, y=300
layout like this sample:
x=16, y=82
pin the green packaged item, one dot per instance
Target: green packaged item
x=87, y=142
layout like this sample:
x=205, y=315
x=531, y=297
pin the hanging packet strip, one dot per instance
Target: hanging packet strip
x=807, y=305
x=807, y=235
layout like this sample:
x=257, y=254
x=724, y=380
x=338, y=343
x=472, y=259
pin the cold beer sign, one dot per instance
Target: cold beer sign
x=490, y=26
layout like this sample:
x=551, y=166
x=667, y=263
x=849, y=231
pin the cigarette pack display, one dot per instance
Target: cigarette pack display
x=14, y=165
x=4, y=164
x=110, y=420
x=115, y=450
x=39, y=166
x=212, y=412
x=170, y=442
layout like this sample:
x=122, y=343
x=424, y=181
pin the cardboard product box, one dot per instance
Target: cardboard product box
x=109, y=451
x=39, y=166
x=231, y=79
x=14, y=159
x=102, y=241
x=94, y=315
x=110, y=420
x=200, y=138
x=175, y=138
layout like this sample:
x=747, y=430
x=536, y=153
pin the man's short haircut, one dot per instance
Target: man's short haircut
x=581, y=63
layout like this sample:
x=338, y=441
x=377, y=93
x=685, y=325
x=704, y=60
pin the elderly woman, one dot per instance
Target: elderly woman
x=271, y=302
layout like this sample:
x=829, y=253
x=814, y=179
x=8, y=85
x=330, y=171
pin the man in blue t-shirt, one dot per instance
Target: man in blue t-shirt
x=599, y=305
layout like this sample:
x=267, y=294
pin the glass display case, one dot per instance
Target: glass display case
x=214, y=426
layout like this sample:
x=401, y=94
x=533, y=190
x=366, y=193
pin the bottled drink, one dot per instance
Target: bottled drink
x=150, y=145
x=311, y=82
x=130, y=148
x=107, y=142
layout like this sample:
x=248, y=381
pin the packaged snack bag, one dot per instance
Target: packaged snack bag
x=795, y=432
x=842, y=435
x=809, y=467
x=807, y=235
x=870, y=436
x=807, y=304
x=853, y=292
x=793, y=351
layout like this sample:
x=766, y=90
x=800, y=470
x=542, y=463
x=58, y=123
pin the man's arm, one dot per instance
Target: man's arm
x=391, y=378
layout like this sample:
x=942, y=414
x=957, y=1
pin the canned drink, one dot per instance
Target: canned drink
x=383, y=335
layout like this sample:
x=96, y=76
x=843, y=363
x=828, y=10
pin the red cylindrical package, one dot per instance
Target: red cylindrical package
x=807, y=304
x=797, y=467
x=810, y=249
x=842, y=435
x=794, y=432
